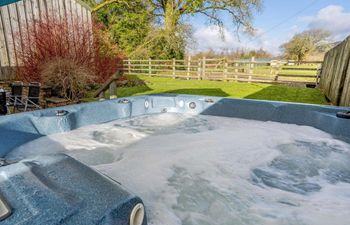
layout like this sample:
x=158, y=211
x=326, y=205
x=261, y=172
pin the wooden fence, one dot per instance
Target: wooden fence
x=16, y=17
x=224, y=69
x=335, y=74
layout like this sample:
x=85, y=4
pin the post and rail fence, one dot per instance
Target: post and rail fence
x=253, y=70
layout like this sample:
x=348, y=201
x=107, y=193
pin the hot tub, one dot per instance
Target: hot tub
x=191, y=159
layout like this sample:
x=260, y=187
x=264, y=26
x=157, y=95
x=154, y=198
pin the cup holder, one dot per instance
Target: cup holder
x=124, y=101
x=209, y=100
x=192, y=105
x=60, y=113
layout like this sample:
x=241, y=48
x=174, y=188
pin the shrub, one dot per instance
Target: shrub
x=67, y=78
x=106, y=63
x=68, y=46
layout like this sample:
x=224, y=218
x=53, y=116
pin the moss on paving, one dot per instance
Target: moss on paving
x=224, y=89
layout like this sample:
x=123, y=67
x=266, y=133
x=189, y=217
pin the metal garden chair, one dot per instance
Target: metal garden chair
x=25, y=103
x=32, y=101
x=3, y=103
x=16, y=97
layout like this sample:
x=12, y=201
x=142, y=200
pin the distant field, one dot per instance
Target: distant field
x=224, y=89
x=292, y=70
x=302, y=70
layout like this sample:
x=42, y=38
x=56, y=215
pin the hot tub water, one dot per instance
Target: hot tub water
x=206, y=170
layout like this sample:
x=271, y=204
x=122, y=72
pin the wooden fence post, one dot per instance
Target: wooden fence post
x=111, y=85
x=102, y=96
x=251, y=67
x=225, y=69
x=236, y=71
x=203, y=68
x=318, y=76
x=174, y=68
x=271, y=67
x=274, y=65
x=188, y=67
x=149, y=67
x=276, y=74
x=129, y=67
x=199, y=72
x=277, y=69
x=113, y=90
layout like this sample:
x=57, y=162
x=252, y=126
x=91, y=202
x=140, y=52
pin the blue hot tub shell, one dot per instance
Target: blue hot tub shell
x=60, y=190
x=56, y=189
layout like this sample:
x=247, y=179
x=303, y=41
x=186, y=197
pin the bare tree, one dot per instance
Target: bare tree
x=302, y=44
x=172, y=11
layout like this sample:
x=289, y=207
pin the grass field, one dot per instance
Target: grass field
x=224, y=89
x=291, y=70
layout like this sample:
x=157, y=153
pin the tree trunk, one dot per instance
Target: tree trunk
x=171, y=17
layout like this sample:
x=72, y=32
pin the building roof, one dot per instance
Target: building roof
x=6, y=2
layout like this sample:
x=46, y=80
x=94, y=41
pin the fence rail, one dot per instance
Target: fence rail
x=224, y=69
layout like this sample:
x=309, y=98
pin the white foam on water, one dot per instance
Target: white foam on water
x=206, y=170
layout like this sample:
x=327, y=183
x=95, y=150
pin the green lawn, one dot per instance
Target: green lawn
x=300, y=70
x=307, y=70
x=224, y=89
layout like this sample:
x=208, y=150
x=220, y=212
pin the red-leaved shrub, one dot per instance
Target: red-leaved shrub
x=69, y=39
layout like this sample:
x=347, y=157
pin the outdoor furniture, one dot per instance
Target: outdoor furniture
x=3, y=102
x=21, y=102
x=15, y=98
x=33, y=99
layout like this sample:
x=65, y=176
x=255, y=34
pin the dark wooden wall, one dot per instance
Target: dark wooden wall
x=335, y=74
x=15, y=17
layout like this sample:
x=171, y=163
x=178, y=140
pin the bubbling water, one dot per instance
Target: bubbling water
x=206, y=170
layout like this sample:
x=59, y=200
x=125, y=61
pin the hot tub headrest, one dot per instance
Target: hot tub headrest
x=58, y=189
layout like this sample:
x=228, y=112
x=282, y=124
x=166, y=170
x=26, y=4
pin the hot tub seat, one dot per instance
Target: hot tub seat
x=57, y=189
